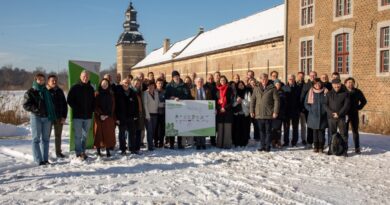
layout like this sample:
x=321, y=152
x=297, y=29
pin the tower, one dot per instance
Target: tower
x=131, y=46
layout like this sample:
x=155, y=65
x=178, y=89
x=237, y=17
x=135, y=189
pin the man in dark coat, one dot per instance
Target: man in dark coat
x=337, y=105
x=126, y=113
x=294, y=111
x=305, y=89
x=264, y=107
x=358, y=101
x=176, y=90
x=61, y=108
x=81, y=99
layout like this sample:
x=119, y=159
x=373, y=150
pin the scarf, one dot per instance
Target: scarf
x=105, y=101
x=310, y=98
x=222, y=101
x=45, y=95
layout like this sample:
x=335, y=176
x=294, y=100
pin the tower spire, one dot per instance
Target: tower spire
x=131, y=33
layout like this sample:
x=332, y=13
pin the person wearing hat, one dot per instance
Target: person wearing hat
x=337, y=105
x=176, y=90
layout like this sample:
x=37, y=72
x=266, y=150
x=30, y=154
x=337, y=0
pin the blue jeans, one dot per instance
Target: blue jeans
x=152, y=128
x=81, y=129
x=265, y=129
x=40, y=130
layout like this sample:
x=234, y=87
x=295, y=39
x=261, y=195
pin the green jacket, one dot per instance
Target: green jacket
x=265, y=102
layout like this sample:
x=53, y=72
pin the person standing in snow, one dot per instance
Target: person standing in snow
x=337, y=105
x=358, y=101
x=317, y=119
x=38, y=101
x=104, y=123
x=151, y=101
x=81, y=98
x=61, y=108
x=265, y=105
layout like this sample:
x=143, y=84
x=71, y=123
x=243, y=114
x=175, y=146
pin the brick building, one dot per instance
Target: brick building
x=252, y=43
x=347, y=36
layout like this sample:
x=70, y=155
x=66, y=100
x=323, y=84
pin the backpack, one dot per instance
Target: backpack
x=337, y=144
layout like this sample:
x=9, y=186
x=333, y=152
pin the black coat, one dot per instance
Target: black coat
x=337, y=102
x=294, y=106
x=305, y=89
x=59, y=101
x=177, y=90
x=358, y=101
x=81, y=99
x=33, y=102
x=126, y=105
x=283, y=103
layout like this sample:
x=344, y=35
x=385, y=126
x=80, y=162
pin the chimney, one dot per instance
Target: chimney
x=166, y=45
x=201, y=30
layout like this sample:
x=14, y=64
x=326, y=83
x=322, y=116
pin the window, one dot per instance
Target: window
x=342, y=53
x=306, y=55
x=383, y=5
x=384, y=49
x=343, y=7
x=307, y=12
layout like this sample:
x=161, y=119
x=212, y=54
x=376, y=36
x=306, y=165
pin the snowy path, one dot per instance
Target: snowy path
x=214, y=176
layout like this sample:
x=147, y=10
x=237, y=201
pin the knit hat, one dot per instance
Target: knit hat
x=175, y=73
x=336, y=81
x=277, y=81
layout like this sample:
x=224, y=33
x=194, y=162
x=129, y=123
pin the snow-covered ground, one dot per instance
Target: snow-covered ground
x=214, y=176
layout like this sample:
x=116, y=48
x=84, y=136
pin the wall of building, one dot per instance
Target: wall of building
x=259, y=58
x=363, y=23
x=128, y=55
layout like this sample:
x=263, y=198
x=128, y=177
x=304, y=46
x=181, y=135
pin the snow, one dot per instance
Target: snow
x=264, y=25
x=7, y=130
x=214, y=176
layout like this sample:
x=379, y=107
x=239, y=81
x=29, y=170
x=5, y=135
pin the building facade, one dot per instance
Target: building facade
x=233, y=48
x=131, y=46
x=347, y=36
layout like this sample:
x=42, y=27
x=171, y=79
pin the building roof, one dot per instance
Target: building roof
x=261, y=26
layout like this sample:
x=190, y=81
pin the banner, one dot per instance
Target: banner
x=190, y=118
x=75, y=69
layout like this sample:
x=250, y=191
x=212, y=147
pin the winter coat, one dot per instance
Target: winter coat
x=177, y=90
x=294, y=106
x=104, y=130
x=317, y=118
x=305, y=89
x=59, y=101
x=126, y=105
x=265, y=102
x=81, y=98
x=283, y=105
x=358, y=101
x=337, y=102
x=150, y=103
x=33, y=102
x=243, y=108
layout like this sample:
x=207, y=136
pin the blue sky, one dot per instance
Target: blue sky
x=47, y=33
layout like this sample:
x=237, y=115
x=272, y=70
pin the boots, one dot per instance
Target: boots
x=172, y=143
x=99, y=154
x=108, y=152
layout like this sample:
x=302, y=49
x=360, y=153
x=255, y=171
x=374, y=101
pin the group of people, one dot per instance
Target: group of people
x=136, y=105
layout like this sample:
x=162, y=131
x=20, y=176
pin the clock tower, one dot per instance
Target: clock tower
x=131, y=46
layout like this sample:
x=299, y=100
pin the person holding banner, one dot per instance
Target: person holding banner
x=81, y=98
x=176, y=90
x=224, y=113
x=200, y=92
x=104, y=123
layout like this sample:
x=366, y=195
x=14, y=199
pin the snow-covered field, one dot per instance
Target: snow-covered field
x=214, y=176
